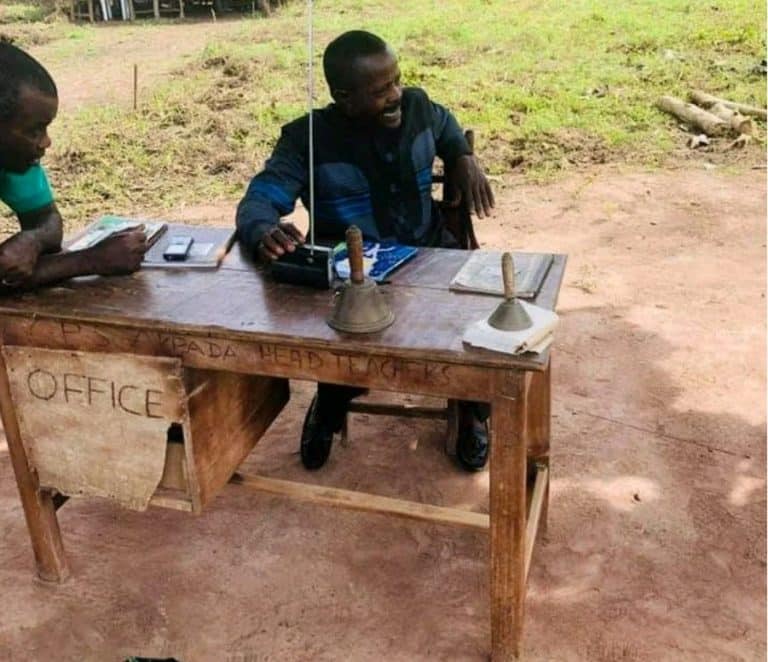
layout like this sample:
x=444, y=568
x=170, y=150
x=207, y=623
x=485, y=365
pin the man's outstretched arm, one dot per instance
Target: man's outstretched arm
x=117, y=255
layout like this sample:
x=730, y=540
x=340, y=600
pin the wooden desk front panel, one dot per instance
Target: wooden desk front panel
x=295, y=360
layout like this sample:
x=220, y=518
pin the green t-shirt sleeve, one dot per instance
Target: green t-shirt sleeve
x=27, y=191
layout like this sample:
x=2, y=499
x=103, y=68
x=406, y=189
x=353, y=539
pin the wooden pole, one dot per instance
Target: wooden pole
x=135, y=86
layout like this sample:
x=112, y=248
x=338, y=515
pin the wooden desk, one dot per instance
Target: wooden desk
x=146, y=346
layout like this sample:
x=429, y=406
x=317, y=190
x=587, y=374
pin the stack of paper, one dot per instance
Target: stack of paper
x=535, y=339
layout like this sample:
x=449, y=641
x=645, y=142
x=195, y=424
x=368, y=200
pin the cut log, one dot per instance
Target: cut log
x=694, y=116
x=707, y=100
x=738, y=123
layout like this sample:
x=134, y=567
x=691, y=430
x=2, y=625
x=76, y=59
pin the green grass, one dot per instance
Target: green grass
x=19, y=12
x=547, y=85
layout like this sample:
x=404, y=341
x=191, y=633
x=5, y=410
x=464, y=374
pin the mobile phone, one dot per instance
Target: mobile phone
x=177, y=248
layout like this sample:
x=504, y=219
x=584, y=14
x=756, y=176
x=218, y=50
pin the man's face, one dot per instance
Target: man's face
x=377, y=94
x=24, y=137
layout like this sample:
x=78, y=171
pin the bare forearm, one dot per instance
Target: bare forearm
x=46, y=227
x=117, y=255
x=54, y=268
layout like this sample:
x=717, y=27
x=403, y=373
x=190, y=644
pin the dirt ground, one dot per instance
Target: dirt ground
x=656, y=544
x=114, y=48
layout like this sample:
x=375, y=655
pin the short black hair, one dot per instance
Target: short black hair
x=343, y=51
x=17, y=69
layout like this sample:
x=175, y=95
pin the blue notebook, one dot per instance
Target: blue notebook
x=379, y=258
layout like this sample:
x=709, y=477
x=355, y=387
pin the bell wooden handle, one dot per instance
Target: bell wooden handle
x=508, y=274
x=355, y=254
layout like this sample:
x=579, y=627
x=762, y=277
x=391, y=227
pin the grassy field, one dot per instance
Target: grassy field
x=18, y=12
x=549, y=87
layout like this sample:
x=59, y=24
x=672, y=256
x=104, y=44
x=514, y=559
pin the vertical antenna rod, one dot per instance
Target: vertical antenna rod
x=310, y=95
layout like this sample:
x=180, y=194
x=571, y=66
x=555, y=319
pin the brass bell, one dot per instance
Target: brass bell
x=360, y=307
x=510, y=315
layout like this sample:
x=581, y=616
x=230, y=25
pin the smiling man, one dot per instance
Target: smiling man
x=31, y=257
x=374, y=149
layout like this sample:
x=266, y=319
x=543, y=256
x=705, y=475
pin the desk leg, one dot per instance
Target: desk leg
x=539, y=414
x=539, y=427
x=39, y=508
x=508, y=518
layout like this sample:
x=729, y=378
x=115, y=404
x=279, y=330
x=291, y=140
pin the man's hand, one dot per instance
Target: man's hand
x=119, y=254
x=18, y=257
x=468, y=178
x=283, y=238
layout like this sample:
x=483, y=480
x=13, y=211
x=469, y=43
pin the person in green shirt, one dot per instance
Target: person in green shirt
x=34, y=256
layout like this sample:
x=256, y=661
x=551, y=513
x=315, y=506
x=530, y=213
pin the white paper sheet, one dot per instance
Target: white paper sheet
x=534, y=339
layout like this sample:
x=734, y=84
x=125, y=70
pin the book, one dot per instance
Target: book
x=379, y=258
x=481, y=273
x=209, y=247
x=108, y=225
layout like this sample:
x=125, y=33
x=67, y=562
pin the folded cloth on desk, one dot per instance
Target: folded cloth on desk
x=535, y=339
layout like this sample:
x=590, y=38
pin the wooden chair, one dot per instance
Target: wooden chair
x=458, y=220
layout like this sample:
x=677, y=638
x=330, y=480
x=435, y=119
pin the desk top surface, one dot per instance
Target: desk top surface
x=240, y=301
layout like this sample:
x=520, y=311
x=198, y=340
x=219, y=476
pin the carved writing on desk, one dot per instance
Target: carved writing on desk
x=375, y=369
x=96, y=424
x=277, y=355
x=299, y=358
x=373, y=366
x=92, y=391
x=178, y=345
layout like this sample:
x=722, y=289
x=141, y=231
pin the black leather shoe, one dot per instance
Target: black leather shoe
x=472, y=445
x=316, y=437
